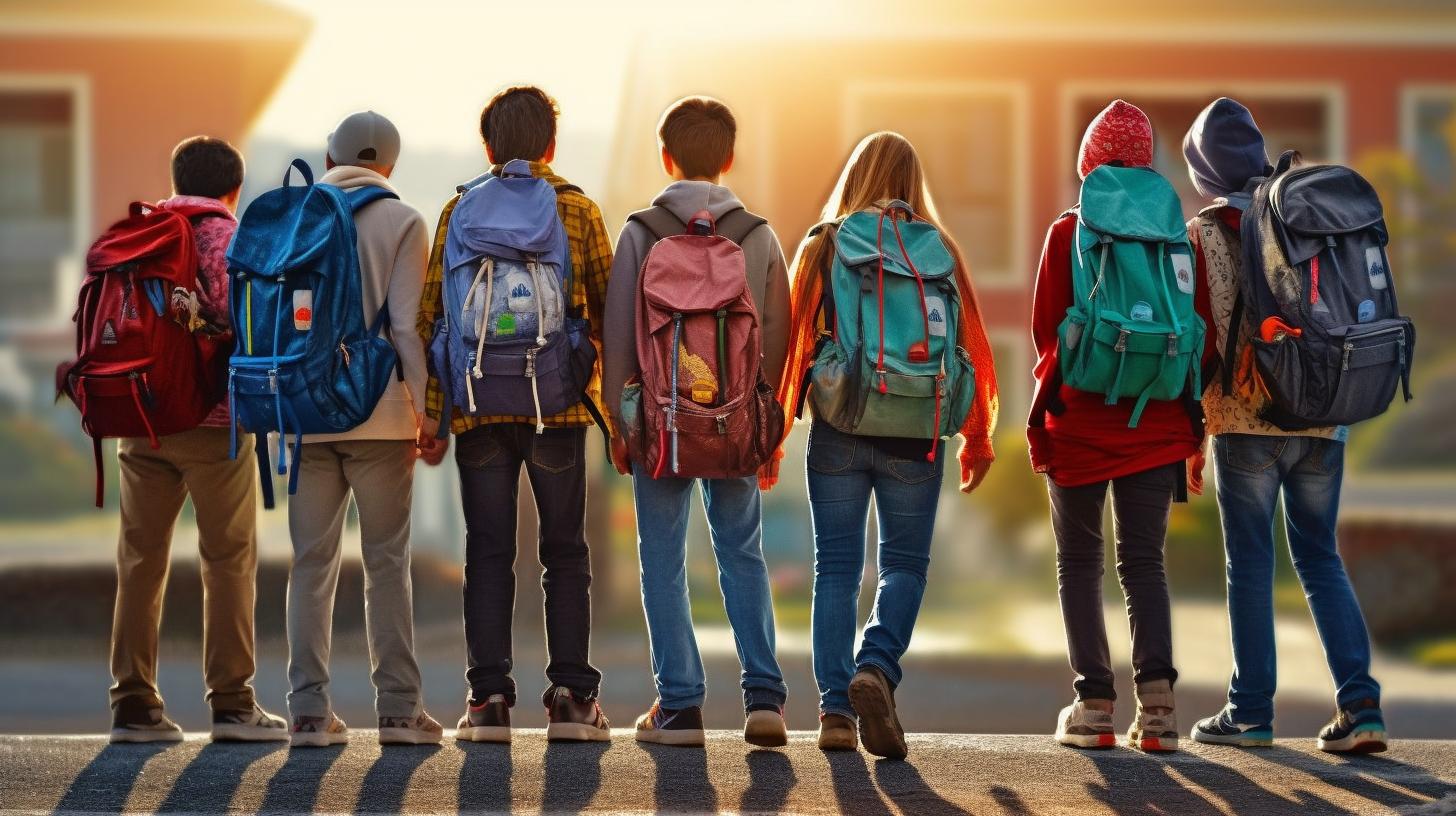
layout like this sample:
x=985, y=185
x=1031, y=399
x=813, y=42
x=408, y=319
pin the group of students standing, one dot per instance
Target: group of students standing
x=1080, y=441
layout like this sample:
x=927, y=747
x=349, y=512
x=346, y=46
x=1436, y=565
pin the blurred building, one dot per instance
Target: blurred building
x=93, y=96
x=996, y=96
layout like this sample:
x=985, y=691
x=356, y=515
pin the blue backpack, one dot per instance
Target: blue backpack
x=509, y=343
x=305, y=362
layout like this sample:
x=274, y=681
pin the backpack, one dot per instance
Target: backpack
x=145, y=363
x=510, y=343
x=1131, y=330
x=305, y=361
x=701, y=406
x=890, y=365
x=1331, y=344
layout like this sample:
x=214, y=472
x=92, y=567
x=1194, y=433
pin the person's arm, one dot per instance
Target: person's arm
x=592, y=262
x=619, y=318
x=406, y=286
x=976, y=453
x=432, y=308
x=775, y=317
x=1050, y=301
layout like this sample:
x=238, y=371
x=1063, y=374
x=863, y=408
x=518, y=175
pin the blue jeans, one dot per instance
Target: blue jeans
x=735, y=521
x=1252, y=472
x=843, y=471
x=490, y=458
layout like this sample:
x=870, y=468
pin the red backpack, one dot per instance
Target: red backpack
x=141, y=368
x=702, y=407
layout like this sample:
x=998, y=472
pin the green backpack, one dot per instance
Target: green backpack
x=889, y=365
x=1131, y=330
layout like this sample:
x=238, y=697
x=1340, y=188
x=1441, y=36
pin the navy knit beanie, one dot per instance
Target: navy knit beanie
x=1224, y=149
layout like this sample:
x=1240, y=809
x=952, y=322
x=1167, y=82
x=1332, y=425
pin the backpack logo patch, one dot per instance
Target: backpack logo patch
x=108, y=334
x=1375, y=263
x=1183, y=272
x=935, y=314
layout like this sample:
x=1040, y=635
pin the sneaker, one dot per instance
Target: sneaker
x=836, y=733
x=571, y=720
x=248, y=725
x=317, y=732
x=421, y=729
x=1359, y=730
x=1154, y=732
x=137, y=722
x=874, y=704
x=665, y=726
x=765, y=728
x=1083, y=727
x=1220, y=729
x=486, y=723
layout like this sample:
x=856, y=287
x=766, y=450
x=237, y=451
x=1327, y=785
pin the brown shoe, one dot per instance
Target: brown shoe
x=874, y=704
x=837, y=733
x=570, y=720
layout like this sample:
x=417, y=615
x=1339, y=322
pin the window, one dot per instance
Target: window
x=38, y=202
x=969, y=137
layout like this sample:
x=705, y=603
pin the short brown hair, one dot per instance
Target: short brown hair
x=519, y=123
x=204, y=166
x=698, y=133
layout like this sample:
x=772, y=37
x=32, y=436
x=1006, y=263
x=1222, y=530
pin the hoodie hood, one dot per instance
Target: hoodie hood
x=349, y=176
x=685, y=198
x=1121, y=132
x=197, y=205
x=1224, y=149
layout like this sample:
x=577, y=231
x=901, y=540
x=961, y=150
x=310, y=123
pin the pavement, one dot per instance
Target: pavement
x=944, y=775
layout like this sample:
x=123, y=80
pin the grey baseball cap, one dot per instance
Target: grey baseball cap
x=364, y=138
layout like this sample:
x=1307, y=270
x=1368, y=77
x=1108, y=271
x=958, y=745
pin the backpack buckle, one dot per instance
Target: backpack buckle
x=1172, y=344
x=1121, y=345
x=531, y=361
x=722, y=425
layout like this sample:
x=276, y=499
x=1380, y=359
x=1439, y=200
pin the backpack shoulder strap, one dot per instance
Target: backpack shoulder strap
x=736, y=225
x=659, y=221
x=361, y=197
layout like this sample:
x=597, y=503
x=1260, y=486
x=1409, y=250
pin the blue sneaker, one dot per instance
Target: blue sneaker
x=1359, y=729
x=1221, y=730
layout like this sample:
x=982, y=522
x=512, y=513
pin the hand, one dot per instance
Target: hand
x=1196, y=463
x=619, y=456
x=427, y=447
x=972, y=472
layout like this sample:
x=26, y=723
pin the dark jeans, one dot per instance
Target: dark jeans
x=1140, y=504
x=490, y=459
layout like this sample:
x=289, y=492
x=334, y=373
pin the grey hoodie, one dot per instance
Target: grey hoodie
x=768, y=283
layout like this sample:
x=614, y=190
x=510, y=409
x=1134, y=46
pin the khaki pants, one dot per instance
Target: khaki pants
x=380, y=475
x=154, y=484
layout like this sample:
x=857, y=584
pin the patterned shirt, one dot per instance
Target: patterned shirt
x=591, y=261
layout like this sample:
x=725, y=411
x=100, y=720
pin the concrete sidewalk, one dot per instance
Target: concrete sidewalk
x=945, y=775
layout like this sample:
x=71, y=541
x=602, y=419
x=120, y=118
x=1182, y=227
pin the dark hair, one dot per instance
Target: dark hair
x=698, y=133
x=519, y=123
x=204, y=166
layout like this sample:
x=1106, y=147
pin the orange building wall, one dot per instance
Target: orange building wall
x=147, y=95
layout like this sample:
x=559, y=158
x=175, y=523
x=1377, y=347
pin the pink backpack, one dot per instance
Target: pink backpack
x=702, y=407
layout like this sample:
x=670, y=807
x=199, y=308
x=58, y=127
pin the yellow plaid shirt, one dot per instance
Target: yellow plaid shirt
x=591, y=261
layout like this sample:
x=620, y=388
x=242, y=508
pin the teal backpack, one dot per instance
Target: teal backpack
x=889, y=364
x=1131, y=330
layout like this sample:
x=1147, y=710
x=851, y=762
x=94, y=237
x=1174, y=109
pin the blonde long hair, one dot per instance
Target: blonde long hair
x=883, y=166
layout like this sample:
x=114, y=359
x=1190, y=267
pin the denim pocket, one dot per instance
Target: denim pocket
x=912, y=471
x=1326, y=456
x=1252, y=452
x=477, y=447
x=555, y=450
x=830, y=452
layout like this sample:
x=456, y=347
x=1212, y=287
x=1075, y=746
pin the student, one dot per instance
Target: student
x=520, y=123
x=1256, y=463
x=844, y=470
x=207, y=173
x=1084, y=445
x=696, y=137
x=375, y=463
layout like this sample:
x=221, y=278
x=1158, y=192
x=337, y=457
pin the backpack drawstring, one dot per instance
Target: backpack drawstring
x=487, y=271
x=533, y=267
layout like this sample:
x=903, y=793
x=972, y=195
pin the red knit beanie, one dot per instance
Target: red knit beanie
x=1120, y=131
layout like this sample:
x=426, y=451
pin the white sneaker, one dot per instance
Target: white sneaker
x=1083, y=727
x=421, y=729
x=317, y=732
x=248, y=725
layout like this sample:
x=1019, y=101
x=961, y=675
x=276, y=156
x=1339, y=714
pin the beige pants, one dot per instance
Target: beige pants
x=154, y=484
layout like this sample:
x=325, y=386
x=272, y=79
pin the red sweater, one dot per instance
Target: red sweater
x=1090, y=441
